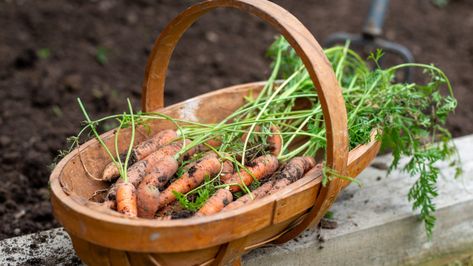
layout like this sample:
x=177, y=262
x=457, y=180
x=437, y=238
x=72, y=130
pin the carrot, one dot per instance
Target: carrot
x=169, y=209
x=206, y=167
x=227, y=167
x=259, y=168
x=149, y=189
x=215, y=143
x=126, y=199
x=141, y=168
x=208, y=154
x=151, y=145
x=227, y=171
x=278, y=184
x=216, y=203
x=296, y=168
x=164, y=218
x=258, y=193
x=274, y=140
x=141, y=151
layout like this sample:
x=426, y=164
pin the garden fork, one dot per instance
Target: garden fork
x=370, y=36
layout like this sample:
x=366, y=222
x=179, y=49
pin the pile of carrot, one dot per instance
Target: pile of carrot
x=164, y=171
x=270, y=140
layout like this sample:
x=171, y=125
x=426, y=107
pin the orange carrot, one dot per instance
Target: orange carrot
x=151, y=145
x=149, y=189
x=169, y=209
x=216, y=203
x=141, y=168
x=141, y=151
x=137, y=171
x=296, y=168
x=278, y=184
x=227, y=167
x=227, y=171
x=211, y=142
x=164, y=218
x=126, y=199
x=274, y=140
x=208, y=154
x=257, y=193
x=260, y=167
x=206, y=167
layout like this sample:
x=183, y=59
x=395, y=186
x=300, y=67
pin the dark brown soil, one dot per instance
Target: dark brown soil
x=52, y=52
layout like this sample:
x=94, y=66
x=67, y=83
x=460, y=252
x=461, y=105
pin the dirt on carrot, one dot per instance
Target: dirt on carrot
x=296, y=168
x=149, y=189
x=141, y=150
x=141, y=168
x=126, y=199
x=216, y=203
x=260, y=167
x=207, y=167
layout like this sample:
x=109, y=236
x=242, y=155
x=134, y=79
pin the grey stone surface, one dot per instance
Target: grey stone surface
x=51, y=247
x=376, y=226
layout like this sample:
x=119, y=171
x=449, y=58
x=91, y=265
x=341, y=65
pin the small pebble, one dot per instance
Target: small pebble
x=328, y=223
x=11, y=157
x=5, y=141
x=211, y=36
x=73, y=82
x=17, y=231
x=19, y=214
x=131, y=18
x=44, y=193
x=380, y=166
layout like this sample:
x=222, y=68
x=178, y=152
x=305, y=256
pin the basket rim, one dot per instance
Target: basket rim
x=58, y=191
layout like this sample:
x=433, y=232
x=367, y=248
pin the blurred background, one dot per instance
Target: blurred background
x=52, y=52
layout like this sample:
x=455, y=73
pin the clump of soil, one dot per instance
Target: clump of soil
x=53, y=52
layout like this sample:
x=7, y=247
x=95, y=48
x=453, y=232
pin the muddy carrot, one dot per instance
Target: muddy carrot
x=208, y=154
x=278, y=184
x=227, y=171
x=141, y=151
x=216, y=203
x=257, y=194
x=227, y=167
x=141, y=168
x=266, y=189
x=151, y=145
x=206, y=167
x=211, y=142
x=170, y=209
x=296, y=168
x=260, y=167
x=274, y=140
x=149, y=189
x=126, y=199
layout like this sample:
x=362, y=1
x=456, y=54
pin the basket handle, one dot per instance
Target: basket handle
x=313, y=57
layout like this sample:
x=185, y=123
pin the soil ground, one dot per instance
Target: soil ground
x=52, y=52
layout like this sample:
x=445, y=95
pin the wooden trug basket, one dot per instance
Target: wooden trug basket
x=104, y=239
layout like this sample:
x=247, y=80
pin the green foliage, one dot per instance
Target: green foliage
x=43, y=53
x=329, y=215
x=101, y=55
x=440, y=3
x=202, y=195
x=410, y=117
